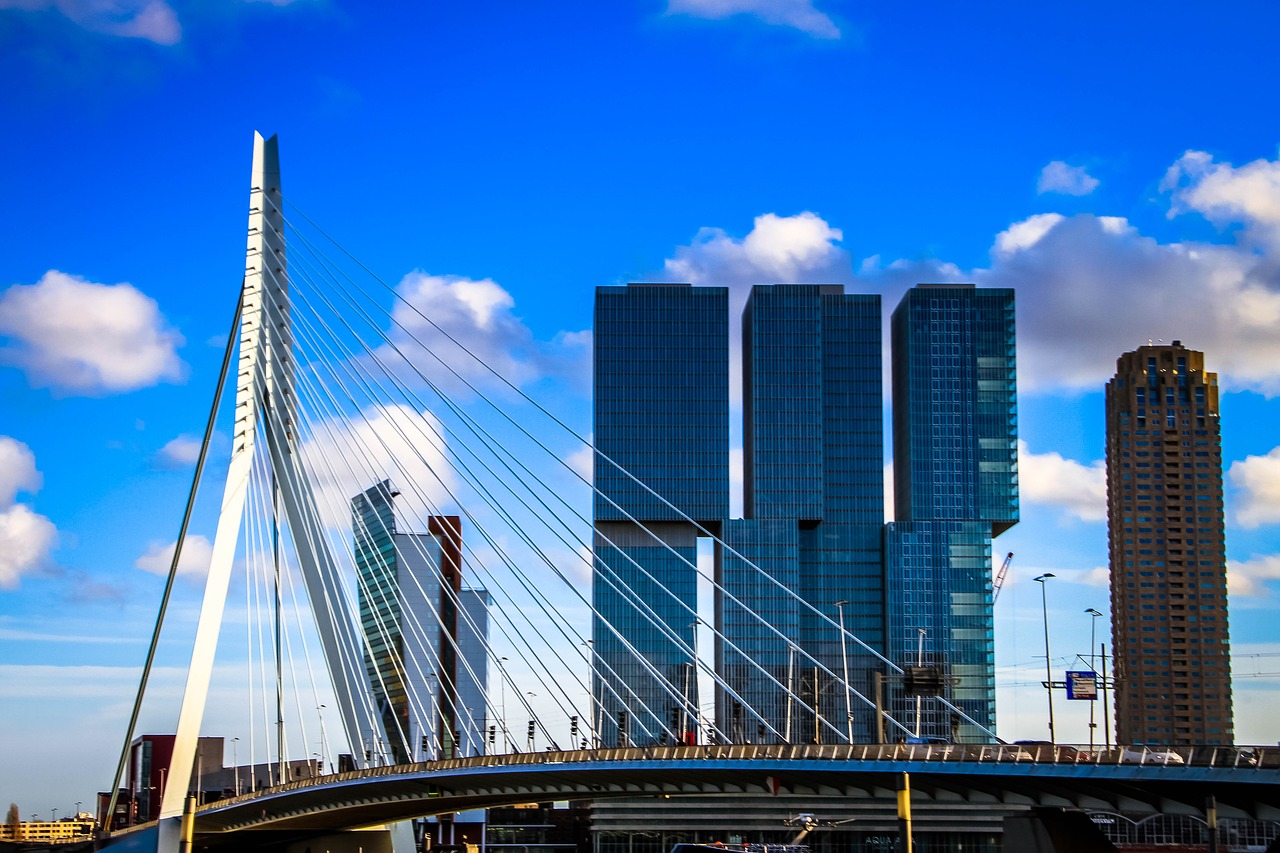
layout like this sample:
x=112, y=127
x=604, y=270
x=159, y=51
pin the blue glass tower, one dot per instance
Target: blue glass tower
x=662, y=415
x=956, y=487
x=814, y=505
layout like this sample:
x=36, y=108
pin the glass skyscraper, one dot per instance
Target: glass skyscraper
x=661, y=376
x=812, y=550
x=425, y=635
x=813, y=472
x=955, y=488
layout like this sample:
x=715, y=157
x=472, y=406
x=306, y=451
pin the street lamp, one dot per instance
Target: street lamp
x=1093, y=627
x=324, y=743
x=691, y=690
x=919, y=663
x=502, y=687
x=844, y=660
x=235, y=762
x=1048, y=670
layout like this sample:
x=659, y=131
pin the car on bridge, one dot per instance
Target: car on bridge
x=1142, y=754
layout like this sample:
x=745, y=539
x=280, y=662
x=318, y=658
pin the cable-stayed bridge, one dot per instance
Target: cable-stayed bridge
x=409, y=535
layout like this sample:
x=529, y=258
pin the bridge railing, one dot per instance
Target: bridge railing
x=1260, y=758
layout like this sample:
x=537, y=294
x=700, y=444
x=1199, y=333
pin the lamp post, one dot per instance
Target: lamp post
x=235, y=763
x=502, y=690
x=691, y=692
x=1043, y=580
x=919, y=663
x=1094, y=613
x=593, y=678
x=844, y=661
x=324, y=741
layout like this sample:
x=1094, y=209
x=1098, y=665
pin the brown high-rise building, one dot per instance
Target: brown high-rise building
x=1168, y=557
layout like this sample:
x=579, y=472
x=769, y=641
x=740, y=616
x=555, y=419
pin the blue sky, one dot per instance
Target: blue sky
x=1118, y=166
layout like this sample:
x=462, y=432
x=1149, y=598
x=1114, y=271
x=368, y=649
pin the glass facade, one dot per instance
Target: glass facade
x=404, y=610
x=813, y=550
x=813, y=472
x=955, y=488
x=661, y=402
x=940, y=616
x=373, y=524
x=661, y=376
x=955, y=422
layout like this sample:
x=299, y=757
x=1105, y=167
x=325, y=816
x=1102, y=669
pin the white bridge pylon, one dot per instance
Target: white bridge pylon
x=264, y=396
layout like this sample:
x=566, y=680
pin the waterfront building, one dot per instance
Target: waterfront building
x=1167, y=549
x=661, y=426
x=425, y=634
x=812, y=550
x=955, y=488
x=806, y=557
x=49, y=832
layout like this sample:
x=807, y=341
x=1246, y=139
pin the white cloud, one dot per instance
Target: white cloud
x=152, y=20
x=582, y=462
x=1025, y=234
x=1058, y=177
x=346, y=457
x=180, y=452
x=79, y=337
x=1258, y=480
x=1248, y=577
x=1225, y=195
x=25, y=541
x=778, y=249
x=17, y=470
x=477, y=315
x=25, y=536
x=1051, y=479
x=799, y=14
x=197, y=551
x=1090, y=288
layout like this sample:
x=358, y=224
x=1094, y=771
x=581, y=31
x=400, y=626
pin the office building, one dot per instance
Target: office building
x=661, y=473
x=1168, y=555
x=807, y=554
x=812, y=550
x=425, y=634
x=955, y=488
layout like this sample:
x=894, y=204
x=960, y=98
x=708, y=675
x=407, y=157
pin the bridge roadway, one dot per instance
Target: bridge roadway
x=1244, y=784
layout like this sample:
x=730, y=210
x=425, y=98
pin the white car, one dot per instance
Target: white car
x=1149, y=755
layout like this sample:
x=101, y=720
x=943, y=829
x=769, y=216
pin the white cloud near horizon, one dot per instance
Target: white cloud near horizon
x=1249, y=577
x=26, y=537
x=150, y=20
x=797, y=14
x=1257, y=481
x=77, y=337
x=437, y=316
x=197, y=551
x=1049, y=478
x=1058, y=177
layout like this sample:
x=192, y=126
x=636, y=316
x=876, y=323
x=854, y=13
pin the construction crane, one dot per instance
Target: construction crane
x=1000, y=575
